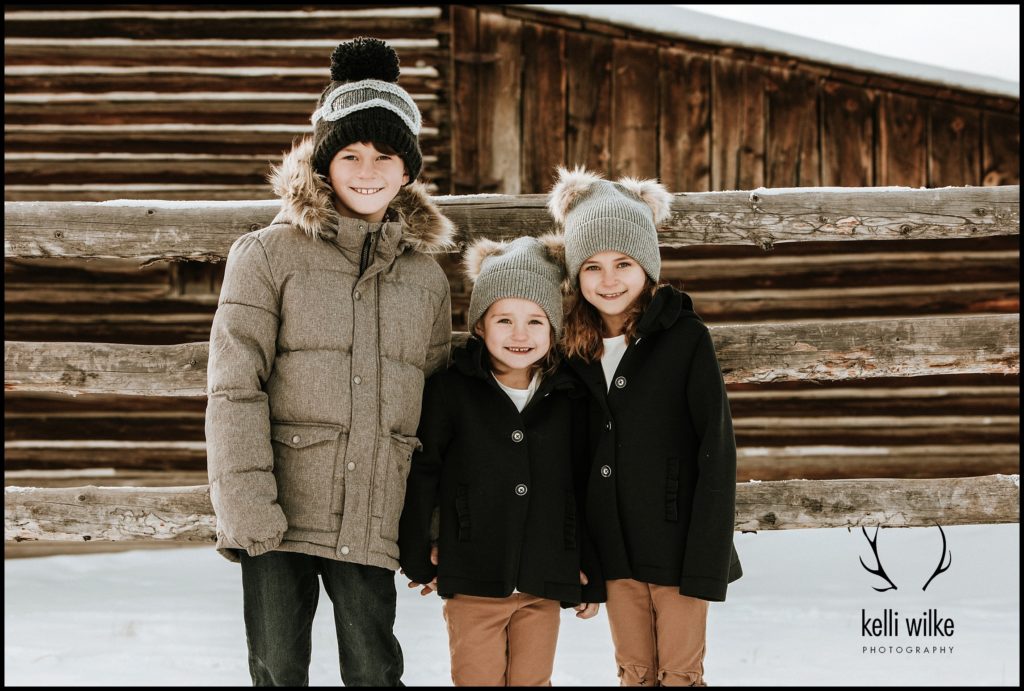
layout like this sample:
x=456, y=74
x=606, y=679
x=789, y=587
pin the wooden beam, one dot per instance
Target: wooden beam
x=184, y=514
x=197, y=23
x=130, y=52
x=832, y=462
x=802, y=351
x=762, y=217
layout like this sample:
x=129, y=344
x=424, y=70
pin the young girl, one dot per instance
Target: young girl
x=503, y=457
x=662, y=483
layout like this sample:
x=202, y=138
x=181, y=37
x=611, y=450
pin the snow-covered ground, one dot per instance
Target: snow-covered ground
x=174, y=617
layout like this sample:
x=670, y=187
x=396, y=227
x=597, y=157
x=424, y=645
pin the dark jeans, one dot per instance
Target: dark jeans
x=280, y=593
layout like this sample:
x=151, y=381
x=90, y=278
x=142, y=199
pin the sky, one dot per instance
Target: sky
x=984, y=39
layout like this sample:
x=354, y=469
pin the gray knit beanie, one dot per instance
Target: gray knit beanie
x=364, y=103
x=601, y=215
x=529, y=268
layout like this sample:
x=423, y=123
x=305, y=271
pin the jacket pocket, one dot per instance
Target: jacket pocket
x=672, y=489
x=305, y=456
x=399, y=462
x=462, y=512
x=570, y=520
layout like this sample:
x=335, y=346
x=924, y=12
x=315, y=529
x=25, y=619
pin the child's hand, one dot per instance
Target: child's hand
x=586, y=610
x=583, y=578
x=432, y=586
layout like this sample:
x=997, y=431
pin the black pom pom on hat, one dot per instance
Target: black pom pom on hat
x=364, y=58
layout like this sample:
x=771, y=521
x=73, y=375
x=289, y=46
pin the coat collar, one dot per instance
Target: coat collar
x=412, y=221
x=668, y=306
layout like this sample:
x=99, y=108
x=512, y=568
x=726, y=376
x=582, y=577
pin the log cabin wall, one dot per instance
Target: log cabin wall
x=533, y=90
x=170, y=104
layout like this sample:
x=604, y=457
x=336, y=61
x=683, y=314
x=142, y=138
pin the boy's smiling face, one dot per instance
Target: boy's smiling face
x=365, y=181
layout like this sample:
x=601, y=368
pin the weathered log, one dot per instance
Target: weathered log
x=193, y=107
x=185, y=514
x=825, y=350
x=886, y=503
x=130, y=52
x=195, y=23
x=762, y=217
x=930, y=460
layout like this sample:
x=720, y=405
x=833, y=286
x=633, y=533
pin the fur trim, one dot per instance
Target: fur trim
x=473, y=261
x=554, y=246
x=306, y=203
x=654, y=194
x=426, y=228
x=305, y=196
x=569, y=189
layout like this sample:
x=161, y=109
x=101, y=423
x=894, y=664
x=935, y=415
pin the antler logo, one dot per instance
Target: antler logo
x=881, y=571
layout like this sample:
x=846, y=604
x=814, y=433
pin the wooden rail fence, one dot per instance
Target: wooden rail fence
x=749, y=353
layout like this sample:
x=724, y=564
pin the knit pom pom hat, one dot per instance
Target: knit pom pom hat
x=600, y=215
x=528, y=268
x=363, y=103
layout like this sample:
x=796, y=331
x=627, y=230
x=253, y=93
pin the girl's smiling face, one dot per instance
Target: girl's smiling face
x=611, y=281
x=517, y=334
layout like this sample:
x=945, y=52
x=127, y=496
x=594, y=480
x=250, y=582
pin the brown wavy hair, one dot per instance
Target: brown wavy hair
x=584, y=327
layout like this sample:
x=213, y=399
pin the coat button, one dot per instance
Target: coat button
x=620, y=382
x=606, y=471
x=357, y=379
x=517, y=436
x=520, y=489
x=351, y=465
x=344, y=550
x=296, y=439
x=357, y=295
x=609, y=425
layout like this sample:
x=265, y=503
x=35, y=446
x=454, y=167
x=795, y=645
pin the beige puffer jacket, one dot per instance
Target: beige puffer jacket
x=316, y=373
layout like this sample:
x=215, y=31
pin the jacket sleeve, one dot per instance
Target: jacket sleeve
x=709, y=545
x=441, y=333
x=423, y=486
x=595, y=589
x=240, y=460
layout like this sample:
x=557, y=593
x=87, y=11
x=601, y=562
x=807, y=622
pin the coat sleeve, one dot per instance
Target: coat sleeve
x=440, y=334
x=240, y=460
x=595, y=589
x=709, y=542
x=423, y=486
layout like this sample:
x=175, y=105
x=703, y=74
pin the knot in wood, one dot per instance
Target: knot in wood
x=905, y=229
x=254, y=226
x=58, y=234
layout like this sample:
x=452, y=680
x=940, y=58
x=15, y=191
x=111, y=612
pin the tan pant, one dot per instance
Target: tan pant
x=502, y=641
x=659, y=635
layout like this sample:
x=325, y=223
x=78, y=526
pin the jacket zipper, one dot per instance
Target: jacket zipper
x=364, y=256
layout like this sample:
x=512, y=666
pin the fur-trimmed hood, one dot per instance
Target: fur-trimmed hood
x=306, y=204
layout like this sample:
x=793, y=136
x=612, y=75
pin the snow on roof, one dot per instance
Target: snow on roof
x=669, y=20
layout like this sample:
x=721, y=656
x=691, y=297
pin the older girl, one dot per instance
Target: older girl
x=661, y=490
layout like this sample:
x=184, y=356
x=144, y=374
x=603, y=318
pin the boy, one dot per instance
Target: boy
x=328, y=322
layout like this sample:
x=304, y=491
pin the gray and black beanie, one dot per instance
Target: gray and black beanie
x=364, y=103
x=528, y=268
x=600, y=215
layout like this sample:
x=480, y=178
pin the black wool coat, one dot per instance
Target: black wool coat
x=509, y=485
x=661, y=491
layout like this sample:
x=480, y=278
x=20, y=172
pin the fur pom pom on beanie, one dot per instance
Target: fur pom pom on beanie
x=528, y=268
x=600, y=215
